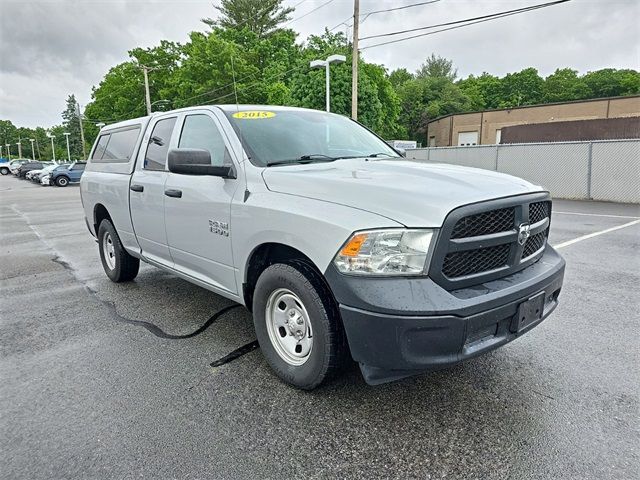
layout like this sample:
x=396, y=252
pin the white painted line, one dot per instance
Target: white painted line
x=595, y=234
x=593, y=214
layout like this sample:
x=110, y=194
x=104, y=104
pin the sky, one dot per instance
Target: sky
x=52, y=48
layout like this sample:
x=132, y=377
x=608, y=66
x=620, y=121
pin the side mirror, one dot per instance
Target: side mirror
x=401, y=151
x=196, y=161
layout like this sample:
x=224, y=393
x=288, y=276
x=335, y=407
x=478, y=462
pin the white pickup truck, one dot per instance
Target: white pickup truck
x=339, y=247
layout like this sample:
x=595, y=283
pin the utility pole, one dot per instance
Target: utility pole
x=354, y=60
x=147, y=94
x=19, y=148
x=66, y=135
x=8, y=150
x=33, y=152
x=78, y=111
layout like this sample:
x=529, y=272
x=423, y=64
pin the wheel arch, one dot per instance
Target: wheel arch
x=265, y=255
x=100, y=213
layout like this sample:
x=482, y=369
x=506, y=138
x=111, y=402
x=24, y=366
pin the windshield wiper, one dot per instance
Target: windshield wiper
x=374, y=155
x=313, y=157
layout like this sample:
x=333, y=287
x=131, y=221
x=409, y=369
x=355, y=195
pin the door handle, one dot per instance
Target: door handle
x=136, y=188
x=170, y=192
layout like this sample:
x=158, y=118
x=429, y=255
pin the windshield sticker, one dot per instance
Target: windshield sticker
x=254, y=115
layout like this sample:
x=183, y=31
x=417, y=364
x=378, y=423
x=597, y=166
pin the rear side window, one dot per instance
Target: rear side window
x=156, y=156
x=200, y=131
x=100, y=147
x=116, y=146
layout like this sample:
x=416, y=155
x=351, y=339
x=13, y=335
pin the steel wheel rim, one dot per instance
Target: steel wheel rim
x=62, y=181
x=109, y=251
x=289, y=327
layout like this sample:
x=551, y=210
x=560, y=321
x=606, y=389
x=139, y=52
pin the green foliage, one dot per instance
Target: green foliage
x=610, y=82
x=437, y=67
x=378, y=103
x=258, y=16
x=564, y=85
x=521, y=88
x=399, y=77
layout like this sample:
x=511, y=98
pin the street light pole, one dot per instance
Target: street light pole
x=53, y=147
x=8, y=150
x=66, y=135
x=79, y=112
x=33, y=152
x=326, y=64
x=19, y=148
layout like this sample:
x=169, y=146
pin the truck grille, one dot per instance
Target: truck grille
x=480, y=242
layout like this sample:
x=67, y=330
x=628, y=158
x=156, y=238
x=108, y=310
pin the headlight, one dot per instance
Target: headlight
x=385, y=252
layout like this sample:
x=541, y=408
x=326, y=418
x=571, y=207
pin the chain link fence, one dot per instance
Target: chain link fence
x=607, y=170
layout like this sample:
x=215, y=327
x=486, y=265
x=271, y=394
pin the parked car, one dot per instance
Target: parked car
x=340, y=247
x=14, y=165
x=4, y=166
x=64, y=176
x=27, y=167
x=36, y=175
x=45, y=175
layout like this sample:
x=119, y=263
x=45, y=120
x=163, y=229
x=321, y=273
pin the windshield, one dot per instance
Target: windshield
x=289, y=136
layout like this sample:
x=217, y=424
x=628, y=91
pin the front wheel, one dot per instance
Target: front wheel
x=62, y=181
x=298, y=325
x=4, y=171
x=116, y=261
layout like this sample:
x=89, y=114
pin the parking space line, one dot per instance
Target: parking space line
x=594, y=215
x=595, y=234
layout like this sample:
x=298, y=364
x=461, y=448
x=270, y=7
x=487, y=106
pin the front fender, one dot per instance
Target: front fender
x=316, y=228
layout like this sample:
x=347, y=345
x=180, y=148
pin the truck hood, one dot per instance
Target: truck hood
x=411, y=193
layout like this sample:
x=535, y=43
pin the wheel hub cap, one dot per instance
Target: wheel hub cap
x=289, y=327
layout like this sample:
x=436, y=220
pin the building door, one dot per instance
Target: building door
x=467, y=138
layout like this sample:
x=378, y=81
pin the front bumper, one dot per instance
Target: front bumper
x=397, y=327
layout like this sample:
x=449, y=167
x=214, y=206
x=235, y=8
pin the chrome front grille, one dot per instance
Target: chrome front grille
x=489, y=240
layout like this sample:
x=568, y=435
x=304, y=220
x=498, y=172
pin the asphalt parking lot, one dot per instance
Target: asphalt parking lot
x=87, y=390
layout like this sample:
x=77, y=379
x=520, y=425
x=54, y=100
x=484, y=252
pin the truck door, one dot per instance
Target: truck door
x=147, y=190
x=197, y=207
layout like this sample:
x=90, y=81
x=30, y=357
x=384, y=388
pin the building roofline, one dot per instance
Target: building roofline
x=586, y=100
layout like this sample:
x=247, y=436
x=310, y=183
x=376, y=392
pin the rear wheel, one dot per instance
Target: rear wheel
x=4, y=171
x=62, y=181
x=117, y=263
x=298, y=325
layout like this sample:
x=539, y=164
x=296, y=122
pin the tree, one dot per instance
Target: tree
x=261, y=17
x=484, y=91
x=564, y=85
x=71, y=124
x=610, y=82
x=378, y=103
x=424, y=99
x=400, y=76
x=438, y=67
x=521, y=88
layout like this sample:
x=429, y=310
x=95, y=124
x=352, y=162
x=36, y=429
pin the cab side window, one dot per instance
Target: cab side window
x=156, y=156
x=200, y=131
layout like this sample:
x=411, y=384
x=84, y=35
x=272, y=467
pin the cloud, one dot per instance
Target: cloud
x=51, y=48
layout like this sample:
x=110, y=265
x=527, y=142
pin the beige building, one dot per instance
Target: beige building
x=484, y=128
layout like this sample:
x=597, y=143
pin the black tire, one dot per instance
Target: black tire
x=4, y=171
x=62, y=181
x=125, y=266
x=329, y=352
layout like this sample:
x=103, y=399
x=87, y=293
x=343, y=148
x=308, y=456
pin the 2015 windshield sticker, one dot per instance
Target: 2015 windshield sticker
x=254, y=115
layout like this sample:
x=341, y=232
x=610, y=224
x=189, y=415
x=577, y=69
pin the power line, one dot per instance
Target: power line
x=441, y=30
x=473, y=19
x=393, y=9
x=308, y=13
